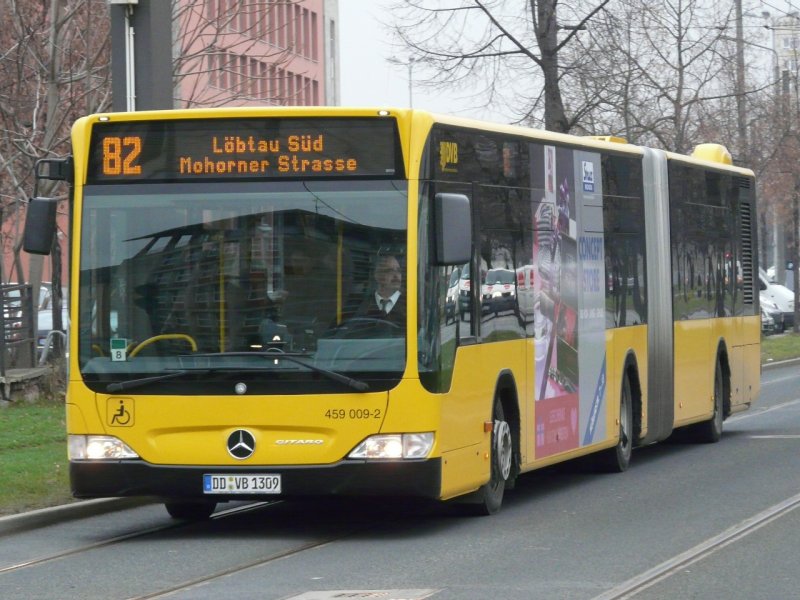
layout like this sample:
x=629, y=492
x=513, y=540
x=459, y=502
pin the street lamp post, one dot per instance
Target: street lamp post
x=410, y=64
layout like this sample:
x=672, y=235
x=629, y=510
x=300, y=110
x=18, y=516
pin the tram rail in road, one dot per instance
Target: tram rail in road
x=94, y=508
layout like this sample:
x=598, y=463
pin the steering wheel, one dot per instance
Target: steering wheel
x=362, y=326
x=166, y=336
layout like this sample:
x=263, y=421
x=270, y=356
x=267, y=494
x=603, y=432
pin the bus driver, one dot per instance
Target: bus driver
x=386, y=302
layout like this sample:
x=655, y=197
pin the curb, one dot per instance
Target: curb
x=781, y=363
x=67, y=512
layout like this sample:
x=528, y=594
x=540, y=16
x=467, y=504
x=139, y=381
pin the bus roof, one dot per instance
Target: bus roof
x=708, y=155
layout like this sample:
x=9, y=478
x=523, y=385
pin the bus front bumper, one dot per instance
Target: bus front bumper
x=103, y=479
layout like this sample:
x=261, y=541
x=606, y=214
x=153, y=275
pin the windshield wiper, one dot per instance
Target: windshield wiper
x=134, y=383
x=277, y=354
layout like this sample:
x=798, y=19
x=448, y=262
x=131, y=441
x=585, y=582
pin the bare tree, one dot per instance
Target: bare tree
x=53, y=69
x=509, y=48
x=659, y=70
x=775, y=130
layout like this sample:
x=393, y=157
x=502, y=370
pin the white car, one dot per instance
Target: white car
x=782, y=296
x=44, y=324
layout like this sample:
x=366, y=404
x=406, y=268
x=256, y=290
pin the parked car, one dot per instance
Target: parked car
x=767, y=323
x=773, y=313
x=780, y=295
x=45, y=317
x=788, y=278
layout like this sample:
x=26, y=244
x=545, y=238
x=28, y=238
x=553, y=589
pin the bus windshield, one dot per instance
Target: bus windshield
x=211, y=283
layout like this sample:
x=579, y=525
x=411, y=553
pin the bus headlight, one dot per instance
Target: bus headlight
x=98, y=447
x=389, y=446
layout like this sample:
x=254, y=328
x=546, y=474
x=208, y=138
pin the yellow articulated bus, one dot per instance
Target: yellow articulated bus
x=284, y=302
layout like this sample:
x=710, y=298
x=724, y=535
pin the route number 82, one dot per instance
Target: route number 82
x=120, y=155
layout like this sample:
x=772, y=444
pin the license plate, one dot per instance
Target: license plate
x=241, y=484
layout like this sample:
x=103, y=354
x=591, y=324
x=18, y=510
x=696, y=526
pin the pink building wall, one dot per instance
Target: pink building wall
x=254, y=53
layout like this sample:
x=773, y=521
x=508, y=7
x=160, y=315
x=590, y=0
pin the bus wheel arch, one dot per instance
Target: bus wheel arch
x=505, y=439
x=631, y=372
x=710, y=431
x=724, y=364
x=617, y=459
x=506, y=394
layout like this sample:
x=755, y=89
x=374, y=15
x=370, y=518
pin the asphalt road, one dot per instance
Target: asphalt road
x=686, y=521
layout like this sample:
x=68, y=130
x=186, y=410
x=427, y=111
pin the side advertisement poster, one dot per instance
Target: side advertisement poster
x=569, y=316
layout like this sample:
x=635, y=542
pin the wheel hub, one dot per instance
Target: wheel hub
x=503, y=448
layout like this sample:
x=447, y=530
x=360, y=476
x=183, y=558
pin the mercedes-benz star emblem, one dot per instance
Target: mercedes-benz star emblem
x=241, y=444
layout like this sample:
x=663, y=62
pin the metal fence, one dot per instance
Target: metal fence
x=18, y=342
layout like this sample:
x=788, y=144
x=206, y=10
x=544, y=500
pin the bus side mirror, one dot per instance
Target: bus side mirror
x=452, y=220
x=40, y=225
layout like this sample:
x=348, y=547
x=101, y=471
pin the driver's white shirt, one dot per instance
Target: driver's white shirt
x=392, y=300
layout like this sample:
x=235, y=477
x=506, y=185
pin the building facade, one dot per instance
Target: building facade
x=255, y=53
x=786, y=43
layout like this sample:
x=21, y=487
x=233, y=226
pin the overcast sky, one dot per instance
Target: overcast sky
x=366, y=76
x=368, y=79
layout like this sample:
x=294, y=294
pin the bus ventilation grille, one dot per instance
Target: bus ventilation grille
x=746, y=220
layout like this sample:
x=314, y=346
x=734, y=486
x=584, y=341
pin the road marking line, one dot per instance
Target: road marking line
x=649, y=578
x=763, y=411
x=776, y=437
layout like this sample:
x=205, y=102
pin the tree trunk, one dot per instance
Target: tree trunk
x=555, y=119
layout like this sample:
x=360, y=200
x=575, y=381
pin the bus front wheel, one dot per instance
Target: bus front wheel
x=489, y=497
x=188, y=510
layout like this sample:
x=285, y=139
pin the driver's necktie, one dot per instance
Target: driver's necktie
x=385, y=305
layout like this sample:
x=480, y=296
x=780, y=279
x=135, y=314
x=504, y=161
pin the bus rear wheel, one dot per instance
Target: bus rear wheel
x=190, y=510
x=709, y=432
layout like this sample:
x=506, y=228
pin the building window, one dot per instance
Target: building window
x=213, y=61
x=254, y=76
x=314, y=43
x=282, y=25
x=263, y=88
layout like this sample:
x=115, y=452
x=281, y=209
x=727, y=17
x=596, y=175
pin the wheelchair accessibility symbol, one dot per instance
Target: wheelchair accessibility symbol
x=120, y=412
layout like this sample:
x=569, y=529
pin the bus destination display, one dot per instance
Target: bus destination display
x=222, y=149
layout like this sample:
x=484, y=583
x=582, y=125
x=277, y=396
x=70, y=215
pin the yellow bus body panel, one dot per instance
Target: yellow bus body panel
x=694, y=371
x=467, y=407
x=181, y=430
x=621, y=343
x=697, y=343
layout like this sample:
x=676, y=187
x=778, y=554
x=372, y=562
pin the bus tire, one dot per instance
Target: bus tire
x=618, y=458
x=186, y=510
x=710, y=432
x=489, y=497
